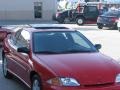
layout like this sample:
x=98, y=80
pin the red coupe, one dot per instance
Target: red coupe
x=58, y=59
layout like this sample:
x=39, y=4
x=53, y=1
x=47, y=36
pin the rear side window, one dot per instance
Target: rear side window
x=112, y=13
x=14, y=37
x=23, y=39
x=92, y=9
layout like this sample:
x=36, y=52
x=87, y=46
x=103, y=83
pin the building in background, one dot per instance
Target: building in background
x=105, y=3
x=27, y=9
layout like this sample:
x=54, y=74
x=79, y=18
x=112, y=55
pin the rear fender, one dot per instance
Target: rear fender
x=80, y=16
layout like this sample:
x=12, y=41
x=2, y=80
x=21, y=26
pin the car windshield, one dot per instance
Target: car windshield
x=57, y=42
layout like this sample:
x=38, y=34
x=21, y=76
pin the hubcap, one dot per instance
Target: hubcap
x=80, y=21
x=36, y=85
x=5, y=66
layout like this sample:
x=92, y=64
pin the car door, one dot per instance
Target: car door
x=20, y=60
x=10, y=45
x=91, y=13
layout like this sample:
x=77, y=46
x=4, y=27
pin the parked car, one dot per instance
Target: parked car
x=108, y=19
x=8, y=29
x=118, y=24
x=87, y=13
x=58, y=59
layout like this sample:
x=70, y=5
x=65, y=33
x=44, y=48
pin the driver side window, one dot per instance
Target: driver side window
x=14, y=37
x=22, y=41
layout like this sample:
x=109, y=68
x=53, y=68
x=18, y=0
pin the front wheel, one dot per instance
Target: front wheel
x=5, y=68
x=36, y=84
x=119, y=29
x=80, y=21
x=100, y=26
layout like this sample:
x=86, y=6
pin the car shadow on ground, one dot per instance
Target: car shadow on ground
x=113, y=29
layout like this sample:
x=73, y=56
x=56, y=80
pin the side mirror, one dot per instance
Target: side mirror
x=98, y=46
x=23, y=50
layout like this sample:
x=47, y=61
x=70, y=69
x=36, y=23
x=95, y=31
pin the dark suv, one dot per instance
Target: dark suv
x=87, y=13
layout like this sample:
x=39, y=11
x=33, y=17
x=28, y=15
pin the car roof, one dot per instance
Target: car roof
x=15, y=28
x=31, y=30
x=48, y=26
x=35, y=27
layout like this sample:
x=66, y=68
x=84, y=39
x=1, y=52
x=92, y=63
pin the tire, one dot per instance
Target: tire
x=6, y=73
x=100, y=26
x=119, y=29
x=115, y=27
x=80, y=21
x=36, y=83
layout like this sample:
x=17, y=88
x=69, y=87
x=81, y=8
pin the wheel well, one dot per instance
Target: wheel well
x=80, y=17
x=3, y=54
x=32, y=73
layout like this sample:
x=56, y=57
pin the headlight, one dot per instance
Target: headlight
x=117, y=79
x=63, y=82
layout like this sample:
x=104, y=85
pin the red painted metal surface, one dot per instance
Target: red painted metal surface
x=94, y=71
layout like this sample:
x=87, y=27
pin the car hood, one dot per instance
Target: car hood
x=87, y=68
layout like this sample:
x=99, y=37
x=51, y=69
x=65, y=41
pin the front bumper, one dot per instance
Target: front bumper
x=107, y=24
x=112, y=87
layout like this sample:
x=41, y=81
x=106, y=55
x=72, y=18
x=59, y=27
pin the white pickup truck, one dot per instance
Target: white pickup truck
x=118, y=24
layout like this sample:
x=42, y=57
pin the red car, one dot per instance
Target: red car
x=3, y=34
x=58, y=59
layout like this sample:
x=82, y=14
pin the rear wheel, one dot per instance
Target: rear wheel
x=114, y=27
x=36, y=83
x=6, y=73
x=80, y=21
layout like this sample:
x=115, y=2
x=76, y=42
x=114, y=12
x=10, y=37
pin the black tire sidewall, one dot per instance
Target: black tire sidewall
x=8, y=75
x=36, y=77
x=100, y=26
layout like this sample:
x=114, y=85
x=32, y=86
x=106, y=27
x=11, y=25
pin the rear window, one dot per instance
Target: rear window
x=92, y=9
x=112, y=13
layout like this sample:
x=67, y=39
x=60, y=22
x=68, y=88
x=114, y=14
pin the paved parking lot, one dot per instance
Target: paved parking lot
x=110, y=40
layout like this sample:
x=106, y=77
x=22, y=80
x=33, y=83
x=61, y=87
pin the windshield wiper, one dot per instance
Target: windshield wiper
x=62, y=52
x=77, y=51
